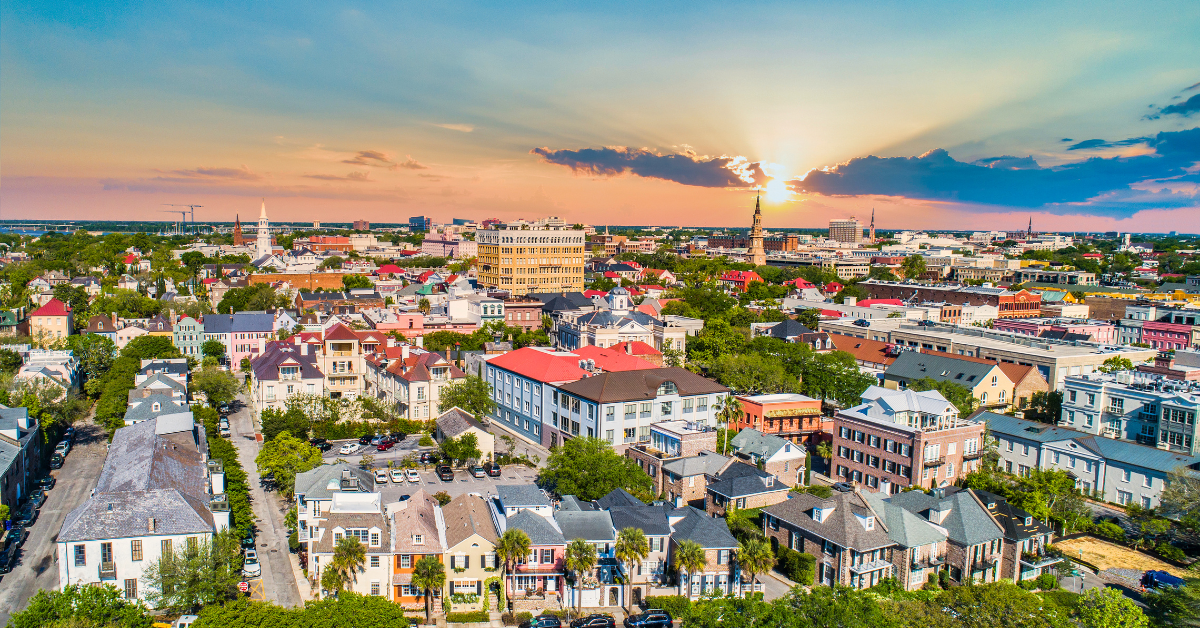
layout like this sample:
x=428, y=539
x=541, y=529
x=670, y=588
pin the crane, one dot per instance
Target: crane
x=183, y=213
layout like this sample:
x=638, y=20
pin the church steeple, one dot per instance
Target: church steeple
x=872, y=236
x=757, y=254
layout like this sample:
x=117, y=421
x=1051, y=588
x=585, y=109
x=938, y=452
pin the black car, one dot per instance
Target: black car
x=56, y=461
x=17, y=535
x=248, y=540
x=428, y=458
x=37, y=498
x=46, y=483
x=69, y=434
x=542, y=621
x=365, y=440
x=398, y=436
x=493, y=469
x=321, y=444
x=26, y=515
x=7, y=558
x=445, y=473
x=652, y=618
x=862, y=322
x=594, y=621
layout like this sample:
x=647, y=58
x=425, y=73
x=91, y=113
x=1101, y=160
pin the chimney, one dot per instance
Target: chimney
x=629, y=348
x=850, y=301
x=421, y=341
x=150, y=523
x=404, y=350
x=390, y=342
x=303, y=348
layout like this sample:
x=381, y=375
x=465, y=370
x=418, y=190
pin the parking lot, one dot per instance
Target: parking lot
x=398, y=451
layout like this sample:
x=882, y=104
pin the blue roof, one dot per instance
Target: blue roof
x=238, y=323
x=1108, y=448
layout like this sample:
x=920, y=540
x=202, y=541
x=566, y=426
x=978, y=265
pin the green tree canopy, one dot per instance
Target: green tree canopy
x=213, y=348
x=260, y=296
x=218, y=385
x=589, y=469
x=196, y=574
x=291, y=420
x=956, y=394
x=1116, y=363
x=103, y=604
x=470, y=393
x=285, y=456
x=355, y=282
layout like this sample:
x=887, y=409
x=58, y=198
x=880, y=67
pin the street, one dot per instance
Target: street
x=278, y=581
x=37, y=563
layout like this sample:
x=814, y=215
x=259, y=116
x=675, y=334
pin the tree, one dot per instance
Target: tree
x=1045, y=407
x=285, y=456
x=332, y=262
x=580, y=559
x=1182, y=494
x=213, y=349
x=755, y=557
x=218, y=386
x=729, y=411
x=260, y=296
x=291, y=420
x=424, y=306
x=470, y=393
x=631, y=548
x=690, y=559
x=1175, y=606
x=809, y=317
x=589, y=469
x=356, y=282
x=1002, y=605
x=825, y=450
x=10, y=361
x=956, y=394
x=103, y=604
x=195, y=574
x=913, y=267
x=512, y=546
x=754, y=373
x=349, y=560
x=428, y=574
x=96, y=354
x=1116, y=363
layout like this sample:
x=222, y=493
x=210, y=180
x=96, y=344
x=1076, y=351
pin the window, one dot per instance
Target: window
x=80, y=556
x=130, y=588
x=1147, y=481
x=547, y=556
x=1116, y=406
x=418, y=539
x=1146, y=502
x=375, y=588
x=374, y=561
x=610, y=413
x=374, y=539
x=406, y=561
x=722, y=557
x=135, y=549
x=1124, y=497
x=166, y=547
x=1126, y=475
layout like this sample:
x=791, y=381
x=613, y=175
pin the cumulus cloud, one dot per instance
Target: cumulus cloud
x=687, y=168
x=411, y=164
x=353, y=176
x=463, y=128
x=1006, y=180
x=242, y=172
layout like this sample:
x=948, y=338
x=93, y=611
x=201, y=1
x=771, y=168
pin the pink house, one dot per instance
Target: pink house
x=1098, y=331
x=1165, y=336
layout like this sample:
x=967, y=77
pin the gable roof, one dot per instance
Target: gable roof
x=788, y=329
x=740, y=480
x=696, y=525
x=539, y=529
x=1012, y=519
x=457, y=421
x=1107, y=448
x=903, y=527
x=146, y=411
x=703, y=463
x=518, y=495
x=968, y=521
x=541, y=365
x=640, y=385
x=589, y=525
x=863, y=349
x=752, y=442
x=911, y=365
x=467, y=515
x=128, y=513
x=53, y=307
x=842, y=526
x=419, y=514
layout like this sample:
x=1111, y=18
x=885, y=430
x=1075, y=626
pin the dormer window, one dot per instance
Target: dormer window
x=817, y=514
x=869, y=523
x=1028, y=521
x=770, y=481
x=155, y=407
x=418, y=539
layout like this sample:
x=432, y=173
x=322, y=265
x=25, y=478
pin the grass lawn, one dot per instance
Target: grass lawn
x=1107, y=555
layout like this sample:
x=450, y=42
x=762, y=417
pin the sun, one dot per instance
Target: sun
x=777, y=191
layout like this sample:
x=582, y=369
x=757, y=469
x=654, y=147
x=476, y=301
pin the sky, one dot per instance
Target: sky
x=1082, y=116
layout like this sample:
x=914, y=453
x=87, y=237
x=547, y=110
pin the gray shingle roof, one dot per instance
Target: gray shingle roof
x=593, y=525
x=911, y=365
x=1013, y=519
x=9, y=451
x=842, y=526
x=967, y=523
x=640, y=385
x=703, y=463
x=141, y=460
x=751, y=442
x=742, y=479
x=519, y=495
x=127, y=514
x=164, y=366
x=572, y=503
x=455, y=421
x=145, y=411
x=903, y=527
x=540, y=530
x=161, y=381
x=1108, y=448
x=651, y=520
x=619, y=497
x=697, y=526
x=315, y=483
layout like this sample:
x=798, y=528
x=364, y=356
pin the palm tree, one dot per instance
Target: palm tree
x=690, y=559
x=631, y=548
x=755, y=557
x=581, y=559
x=510, y=547
x=349, y=559
x=428, y=574
x=728, y=410
x=423, y=305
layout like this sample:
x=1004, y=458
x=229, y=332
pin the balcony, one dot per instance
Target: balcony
x=108, y=570
x=874, y=565
x=935, y=462
x=973, y=455
x=928, y=563
x=1039, y=559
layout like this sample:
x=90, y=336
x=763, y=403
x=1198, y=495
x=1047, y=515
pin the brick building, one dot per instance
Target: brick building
x=742, y=485
x=976, y=545
x=779, y=457
x=680, y=459
x=1020, y=304
x=794, y=417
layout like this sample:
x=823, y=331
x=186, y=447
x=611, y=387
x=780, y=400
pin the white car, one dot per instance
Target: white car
x=250, y=565
x=348, y=448
x=381, y=476
x=413, y=476
x=397, y=475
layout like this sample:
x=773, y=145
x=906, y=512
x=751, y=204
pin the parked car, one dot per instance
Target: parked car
x=843, y=487
x=7, y=558
x=398, y=436
x=597, y=620
x=413, y=476
x=385, y=444
x=321, y=443
x=37, y=497
x=542, y=621
x=381, y=476
x=478, y=472
x=492, y=469
x=348, y=448
x=428, y=457
x=378, y=438
x=248, y=540
x=26, y=515
x=445, y=473
x=223, y=431
x=17, y=535
x=46, y=483
x=397, y=476
x=250, y=565
x=365, y=440
x=653, y=618
x=69, y=434
x=56, y=461
x=63, y=447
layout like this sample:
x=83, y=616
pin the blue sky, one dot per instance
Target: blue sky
x=120, y=109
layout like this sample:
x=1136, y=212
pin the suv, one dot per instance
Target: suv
x=445, y=473
x=46, y=483
x=594, y=621
x=26, y=515
x=63, y=447
x=321, y=444
x=69, y=434
x=428, y=458
x=492, y=469
x=365, y=440
x=652, y=618
x=37, y=497
x=398, y=436
x=478, y=472
x=542, y=621
x=250, y=566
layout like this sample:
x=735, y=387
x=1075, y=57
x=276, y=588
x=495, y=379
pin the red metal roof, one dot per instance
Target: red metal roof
x=542, y=366
x=53, y=308
x=613, y=359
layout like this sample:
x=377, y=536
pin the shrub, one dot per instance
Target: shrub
x=1047, y=582
x=294, y=541
x=676, y=605
x=515, y=619
x=1110, y=531
x=468, y=618
x=426, y=441
x=1028, y=584
x=795, y=566
x=944, y=579
x=819, y=490
x=443, y=497
x=1170, y=552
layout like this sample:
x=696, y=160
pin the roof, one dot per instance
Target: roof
x=640, y=385
x=128, y=513
x=322, y=482
x=613, y=359
x=911, y=365
x=696, y=525
x=53, y=307
x=651, y=520
x=788, y=329
x=968, y=522
x=703, y=463
x=457, y=421
x=635, y=347
x=9, y=420
x=467, y=515
x=863, y=349
x=284, y=353
x=575, y=299
x=1107, y=448
x=146, y=411
x=740, y=480
x=173, y=367
x=539, y=529
x=238, y=322
x=842, y=523
x=1018, y=372
x=541, y=365
x=162, y=380
x=740, y=276
x=140, y=459
x=902, y=526
x=419, y=514
x=752, y=442
x=517, y=495
x=1018, y=524
x=589, y=525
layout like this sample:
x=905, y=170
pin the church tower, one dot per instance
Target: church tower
x=238, y=238
x=262, y=246
x=871, y=239
x=757, y=254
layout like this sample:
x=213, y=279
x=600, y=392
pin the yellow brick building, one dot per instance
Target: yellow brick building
x=523, y=258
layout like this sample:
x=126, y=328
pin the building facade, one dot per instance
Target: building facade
x=523, y=260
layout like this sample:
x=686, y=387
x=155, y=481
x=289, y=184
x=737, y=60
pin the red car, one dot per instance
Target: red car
x=385, y=444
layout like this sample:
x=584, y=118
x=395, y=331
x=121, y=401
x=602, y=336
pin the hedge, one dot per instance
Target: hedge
x=796, y=566
x=676, y=605
x=474, y=617
x=515, y=619
x=237, y=487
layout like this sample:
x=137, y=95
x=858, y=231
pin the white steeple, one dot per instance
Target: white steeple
x=262, y=245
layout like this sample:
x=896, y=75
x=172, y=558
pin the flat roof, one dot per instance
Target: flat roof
x=778, y=398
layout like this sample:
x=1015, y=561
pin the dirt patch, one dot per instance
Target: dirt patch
x=1107, y=555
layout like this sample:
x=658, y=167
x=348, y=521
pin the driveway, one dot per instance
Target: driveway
x=37, y=564
x=278, y=578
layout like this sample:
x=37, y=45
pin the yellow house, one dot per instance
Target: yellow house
x=985, y=379
x=51, y=322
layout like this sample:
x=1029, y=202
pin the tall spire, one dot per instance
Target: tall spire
x=757, y=254
x=262, y=215
x=872, y=235
x=1029, y=232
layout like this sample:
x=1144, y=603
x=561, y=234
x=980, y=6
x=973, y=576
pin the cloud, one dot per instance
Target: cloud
x=1185, y=108
x=1086, y=144
x=411, y=164
x=353, y=176
x=997, y=181
x=243, y=173
x=687, y=168
x=465, y=128
x=372, y=158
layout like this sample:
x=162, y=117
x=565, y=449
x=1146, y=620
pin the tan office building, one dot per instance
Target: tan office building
x=846, y=230
x=523, y=258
